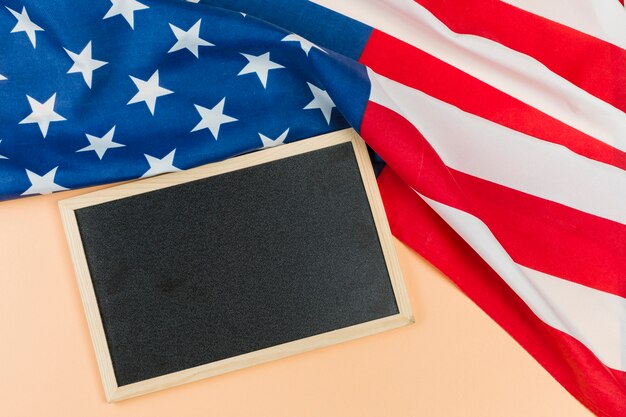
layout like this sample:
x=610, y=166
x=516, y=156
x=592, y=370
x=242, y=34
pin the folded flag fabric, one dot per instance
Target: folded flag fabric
x=103, y=91
x=502, y=131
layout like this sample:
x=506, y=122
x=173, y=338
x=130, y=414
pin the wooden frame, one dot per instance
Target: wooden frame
x=113, y=392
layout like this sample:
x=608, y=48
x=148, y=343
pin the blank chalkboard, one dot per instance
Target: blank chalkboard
x=199, y=272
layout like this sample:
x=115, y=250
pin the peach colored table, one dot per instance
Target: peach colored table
x=454, y=361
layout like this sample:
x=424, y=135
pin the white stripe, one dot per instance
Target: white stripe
x=516, y=74
x=595, y=318
x=490, y=151
x=604, y=19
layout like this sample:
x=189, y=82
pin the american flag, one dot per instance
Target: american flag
x=502, y=125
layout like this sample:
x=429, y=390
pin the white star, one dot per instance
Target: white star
x=126, y=8
x=213, y=118
x=149, y=91
x=43, y=114
x=270, y=143
x=24, y=24
x=84, y=64
x=160, y=166
x=320, y=101
x=2, y=77
x=2, y=156
x=101, y=145
x=43, y=184
x=259, y=65
x=189, y=39
x=305, y=44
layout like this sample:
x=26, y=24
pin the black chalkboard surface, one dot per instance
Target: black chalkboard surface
x=231, y=264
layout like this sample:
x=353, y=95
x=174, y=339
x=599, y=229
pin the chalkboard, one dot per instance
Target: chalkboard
x=235, y=263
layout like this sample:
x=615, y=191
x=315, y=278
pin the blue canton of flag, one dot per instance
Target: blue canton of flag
x=108, y=90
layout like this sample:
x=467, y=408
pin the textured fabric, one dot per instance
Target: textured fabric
x=198, y=109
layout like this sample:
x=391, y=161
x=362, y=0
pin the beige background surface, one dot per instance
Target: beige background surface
x=454, y=361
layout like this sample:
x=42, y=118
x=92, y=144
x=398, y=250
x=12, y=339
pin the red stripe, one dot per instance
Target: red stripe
x=599, y=388
x=596, y=66
x=539, y=234
x=551, y=237
x=408, y=65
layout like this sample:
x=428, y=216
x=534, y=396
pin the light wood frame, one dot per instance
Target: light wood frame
x=113, y=392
